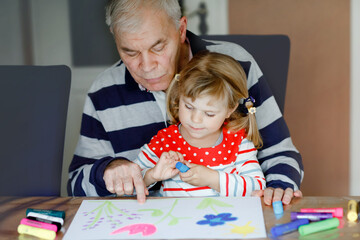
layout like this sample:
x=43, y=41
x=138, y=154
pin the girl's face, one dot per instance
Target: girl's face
x=202, y=119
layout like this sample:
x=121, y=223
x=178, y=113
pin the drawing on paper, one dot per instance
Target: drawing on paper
x=169, y=218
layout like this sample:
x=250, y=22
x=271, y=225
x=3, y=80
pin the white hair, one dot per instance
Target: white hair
x=125, y=15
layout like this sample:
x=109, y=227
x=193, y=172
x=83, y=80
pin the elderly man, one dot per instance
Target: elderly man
x=125, y=106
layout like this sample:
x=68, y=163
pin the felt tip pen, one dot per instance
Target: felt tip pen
x=288, y=227
x=313, y=217
x=46, y=217
x=37, y=232
x=38, y=224
x=337, y=212
x=352, y=212
x=319, y=226
x=182, y=167
x=53, y=213
x=278, y=207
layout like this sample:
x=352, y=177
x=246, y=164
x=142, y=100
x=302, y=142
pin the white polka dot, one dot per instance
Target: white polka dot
x=167, y=145
x=235, y=135
x=208, y=165
x=194, y=154
x=175, y=131
x=232, y=143
x=225, y=158
x=228, y=132
x=162, y=139
x=225, y=139
x=189, y=148
x=206, y=153
x=219, y=152
x=213, y=147
x=184, y=142
x=180, y=136
x=169, y=136
x=184, y=155
x=214, y=159
x=178, y=149
x=157, y=142
x=174, y=142
x=201, y=160
x=236, y=154
x=153, y=148
x=161, y=149
x=224, y=145
x=229, y=151
x=189, y=161
x=242, y=137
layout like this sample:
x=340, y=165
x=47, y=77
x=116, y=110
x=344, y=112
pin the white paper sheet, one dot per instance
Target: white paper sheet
x=169, y=218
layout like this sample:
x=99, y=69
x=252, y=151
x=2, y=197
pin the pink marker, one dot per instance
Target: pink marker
x=336, y=212
x=34, y=223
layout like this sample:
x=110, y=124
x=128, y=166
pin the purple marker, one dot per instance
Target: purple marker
x=313, y=217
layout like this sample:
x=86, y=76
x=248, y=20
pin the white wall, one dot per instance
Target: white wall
x=11, y=48
x=355, y=99
x=52, y=45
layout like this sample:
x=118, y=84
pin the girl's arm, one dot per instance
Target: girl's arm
x=246, y=176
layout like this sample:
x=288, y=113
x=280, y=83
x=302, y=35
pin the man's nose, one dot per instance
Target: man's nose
x=148, y=62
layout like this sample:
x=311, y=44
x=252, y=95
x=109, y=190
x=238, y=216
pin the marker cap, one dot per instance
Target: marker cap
x=278, y=207
x=288, y=227
x=182, y=167
x=319, y=226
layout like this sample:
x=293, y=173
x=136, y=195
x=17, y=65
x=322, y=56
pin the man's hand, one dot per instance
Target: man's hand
x=121, y=176
x=277, y=194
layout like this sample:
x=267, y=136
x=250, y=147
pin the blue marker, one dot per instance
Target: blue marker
x=288, y=227
x=278, y=207
x=182, y=167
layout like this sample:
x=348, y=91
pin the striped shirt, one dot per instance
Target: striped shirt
x=234, y=158
x=119, y=118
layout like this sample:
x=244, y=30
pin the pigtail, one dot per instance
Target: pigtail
x=253, y=133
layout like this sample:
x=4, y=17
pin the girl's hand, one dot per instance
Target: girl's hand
x=199, y=175
x=165, y=167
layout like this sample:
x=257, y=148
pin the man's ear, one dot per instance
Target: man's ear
x=182, y=28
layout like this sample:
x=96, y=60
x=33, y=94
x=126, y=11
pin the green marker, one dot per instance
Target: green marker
x=319, y=226
x=53, y=213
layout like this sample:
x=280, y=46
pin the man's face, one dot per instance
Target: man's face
x=151, y=53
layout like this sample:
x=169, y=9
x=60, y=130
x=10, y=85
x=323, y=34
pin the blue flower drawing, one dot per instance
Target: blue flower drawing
x=219, y=219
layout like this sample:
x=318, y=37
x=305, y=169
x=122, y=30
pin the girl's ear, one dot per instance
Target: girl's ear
x=232, y=110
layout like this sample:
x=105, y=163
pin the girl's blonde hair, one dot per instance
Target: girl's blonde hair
x=222, y=77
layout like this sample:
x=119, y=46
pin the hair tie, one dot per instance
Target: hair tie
x=177, y=77
x=243, y=109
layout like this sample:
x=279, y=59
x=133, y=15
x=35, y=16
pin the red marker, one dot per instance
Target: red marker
x=336, y=212
x=34, y=223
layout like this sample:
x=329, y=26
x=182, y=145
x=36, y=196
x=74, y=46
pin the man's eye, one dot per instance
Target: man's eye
x=131, y=54
x=158, y=48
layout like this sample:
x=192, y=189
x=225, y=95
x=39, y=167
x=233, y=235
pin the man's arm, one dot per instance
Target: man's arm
x=94, y=171
x=279, y=159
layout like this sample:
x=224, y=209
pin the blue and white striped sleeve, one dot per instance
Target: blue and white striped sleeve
x=93, y=153
x=280, y=161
